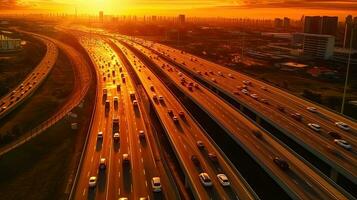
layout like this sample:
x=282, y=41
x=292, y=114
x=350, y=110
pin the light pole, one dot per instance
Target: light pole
x=347, y=71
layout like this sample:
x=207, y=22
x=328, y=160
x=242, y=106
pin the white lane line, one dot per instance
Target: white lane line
x=119, y=175
x=84, y=192
x=144, y=171
x=146, y=183
x=88, y=173
x=110, y=155
x=142, y=160
x=91, y=160
x=119, y=191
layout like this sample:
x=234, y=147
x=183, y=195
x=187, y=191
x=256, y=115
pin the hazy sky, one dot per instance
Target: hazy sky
x=227, y=8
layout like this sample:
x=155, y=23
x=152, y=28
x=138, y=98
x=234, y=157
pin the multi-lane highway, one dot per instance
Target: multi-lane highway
x=185, y=136
x=119, y=135
x=292, y=115
x=28, y=86
x=300, y=181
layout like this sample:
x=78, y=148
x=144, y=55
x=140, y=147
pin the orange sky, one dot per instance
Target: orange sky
x=204, y=8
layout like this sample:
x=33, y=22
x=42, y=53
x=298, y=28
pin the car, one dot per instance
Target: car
x=175, y=118
x=264, y=88
x=312, y=109
x=141, y=135
x=258, y=134
x=123, y=198
x=335, y=135
x=170, y=112
x=247, y=82
x=181, y=114
x=92, y=181
x=200, y=144
x=161, y=98
x=213, y=157
x=3, y=108
x=102, y=164
x=214, y=80
x=100, y=135
x=265, y=101
x=135, y=103
x=126, y=158
x=343, y=143
x=220, y=73
x=254, y=96
x=297, y=116
x=282, y=164
x=154, y=97
x=342, y=126
x=230, y=75
x=222, y=178
x=156, y=184
x=236, y=92
x=152, y=88
x=314, y=127
x=205, y=179
x=195, y=161
x=245, y=91
x=116, y=137
x=281, y=108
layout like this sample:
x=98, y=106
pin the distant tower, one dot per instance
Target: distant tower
x=286, y=22
x=329, y=25
x=101, y=16
x=182, y=19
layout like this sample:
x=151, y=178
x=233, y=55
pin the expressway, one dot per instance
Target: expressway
x=184, y=135
x=83, y=79
x=28, y=86
x=286, y=112
x=130, y=162
x=301, y=181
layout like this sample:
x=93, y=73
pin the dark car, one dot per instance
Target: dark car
x=195, y=161
x=335, y=135
x=297, y=116
x=281, y=109
x=200, y=145
x=213, y=157
x=281, y=163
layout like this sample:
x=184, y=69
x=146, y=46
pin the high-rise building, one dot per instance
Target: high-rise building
x=182, y=19
x=329, y=25
x=350, y=27
x=326, y=25
x=312, y=24
x=318, y=46
x=278, y=23
x=286, y=22
x=101, y=16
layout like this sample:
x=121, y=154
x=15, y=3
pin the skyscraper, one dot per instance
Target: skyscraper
x=312, y=24
x=286, y=22
x=326, y=25
x=350, y=24
x=278, y=23
x=101, y=16
x=329, y=25
x=181, y=19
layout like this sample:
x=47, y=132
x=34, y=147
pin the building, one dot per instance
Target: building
x=286, y=22
x=182, y=19
x=278, y=23
x=9, y=44
x=350, y=24
x=101, y=16
x=312, y=24
x=318, y=45
x=329, y=25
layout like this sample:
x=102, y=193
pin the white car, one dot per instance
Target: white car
x=343, y=126
x=314, y=127
x=135, y=103
x=312, y=109
x=254, y=96
x=205, y=179
x=102, y=164
x=156, y=184
x=247, y=82
x=100, y=135
x=343, y=144
x=245, y=91
x=223, y=179
x=116, y=136
x=92, y=181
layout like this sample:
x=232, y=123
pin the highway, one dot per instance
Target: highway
x=301, y=181
x=29, y=85
x=120, y=179
x=82, y=81
x=184, y=133
x=277, y=107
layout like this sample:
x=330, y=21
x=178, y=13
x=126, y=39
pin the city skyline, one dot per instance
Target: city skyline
x=196, y=8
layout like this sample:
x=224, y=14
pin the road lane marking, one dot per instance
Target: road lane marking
x=84, y=192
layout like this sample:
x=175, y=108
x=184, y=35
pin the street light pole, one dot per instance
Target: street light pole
x=347, y=72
